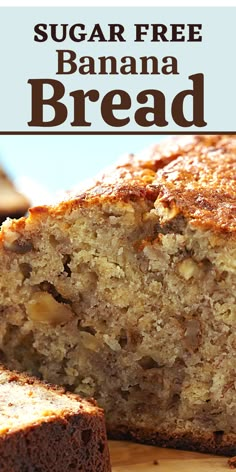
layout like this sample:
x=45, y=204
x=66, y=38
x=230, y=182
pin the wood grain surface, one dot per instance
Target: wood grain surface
x=130, y=457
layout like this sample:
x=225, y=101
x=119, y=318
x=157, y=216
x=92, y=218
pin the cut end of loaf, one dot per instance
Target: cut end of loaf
x=125, y=293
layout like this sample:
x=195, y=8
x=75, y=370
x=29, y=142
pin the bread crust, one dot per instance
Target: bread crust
x=211, y=443
x=74, y=439
x=194, y=175
x=191, y=179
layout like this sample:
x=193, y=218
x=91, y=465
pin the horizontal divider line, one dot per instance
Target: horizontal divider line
x=105, y=133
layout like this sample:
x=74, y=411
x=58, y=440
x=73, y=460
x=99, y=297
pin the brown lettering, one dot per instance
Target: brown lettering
x=129, y=68
x=172, y=67
x=61, y=61
x=108, y=106
x=157, y=110
x=197, y=94
x=88, y=68
x=38, y=103
x=79, y=105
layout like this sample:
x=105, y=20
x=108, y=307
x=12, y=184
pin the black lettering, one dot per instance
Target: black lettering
x=40, y=30
x=116, y=32
x=177, y=33
x=139, y=32
x=80, y=36
x=54, y=32
x=194, y=33
x=159, y=33
x=97, y=33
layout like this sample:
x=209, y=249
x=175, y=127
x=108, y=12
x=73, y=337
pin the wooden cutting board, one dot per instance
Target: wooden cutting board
x=130, y=457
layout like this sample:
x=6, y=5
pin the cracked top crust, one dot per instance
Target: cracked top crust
x=201, y=182
x=194, y=176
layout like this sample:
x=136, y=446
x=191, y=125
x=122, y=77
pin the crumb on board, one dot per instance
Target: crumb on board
x=232, y=462
x=155, y=462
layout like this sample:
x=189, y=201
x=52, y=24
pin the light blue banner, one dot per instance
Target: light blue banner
x=188, y=84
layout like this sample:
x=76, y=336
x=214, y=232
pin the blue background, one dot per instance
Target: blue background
x=61, y=162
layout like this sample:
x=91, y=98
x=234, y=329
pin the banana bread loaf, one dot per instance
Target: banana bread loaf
x=42, y=428
x=126, y=292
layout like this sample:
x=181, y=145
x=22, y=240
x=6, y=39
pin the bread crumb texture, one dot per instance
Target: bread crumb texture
x=126, y=292
x=44, y=428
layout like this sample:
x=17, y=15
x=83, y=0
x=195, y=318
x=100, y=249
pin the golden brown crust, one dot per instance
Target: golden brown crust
x=202, y=186
x=201, y=183
x=70, y=438
x=194, y=174
x=22, y=378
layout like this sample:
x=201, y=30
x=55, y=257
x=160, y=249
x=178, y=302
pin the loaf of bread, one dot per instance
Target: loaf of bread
x=42, y=428
x=12, y=203
x=126, y=292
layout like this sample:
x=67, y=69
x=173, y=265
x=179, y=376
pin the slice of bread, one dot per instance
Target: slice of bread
x=126, y=292
x=42, y=428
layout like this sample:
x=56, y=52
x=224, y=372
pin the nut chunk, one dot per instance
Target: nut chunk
x=45, y=309
x=125, y=290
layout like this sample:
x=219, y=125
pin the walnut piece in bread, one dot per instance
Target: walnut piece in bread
x=140, y=270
